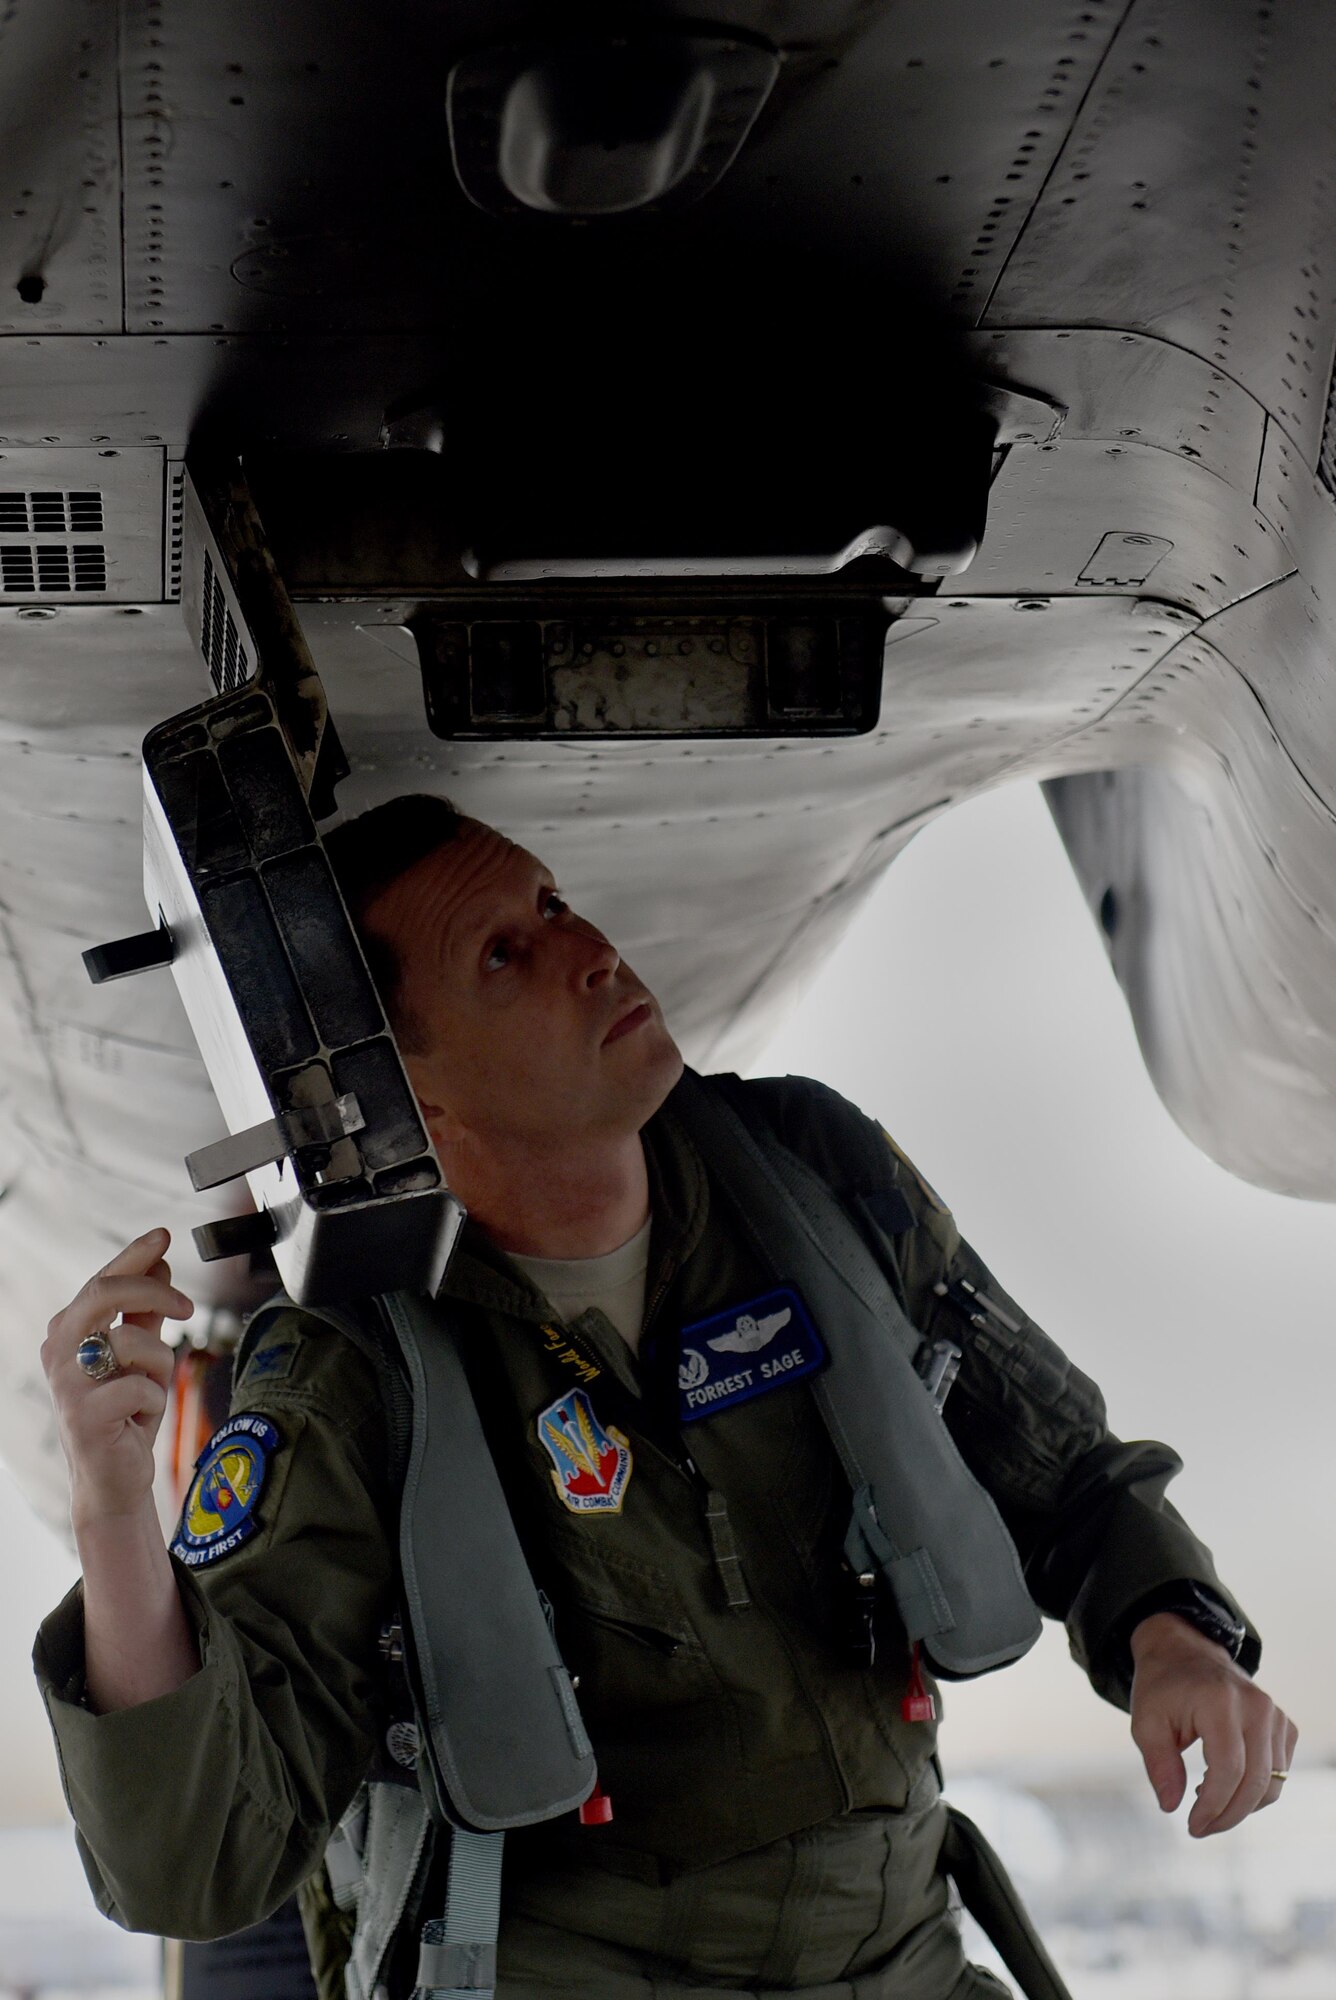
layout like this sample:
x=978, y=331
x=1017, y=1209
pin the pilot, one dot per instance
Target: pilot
x=761, y=1733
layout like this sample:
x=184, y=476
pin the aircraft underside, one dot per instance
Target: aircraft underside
x=1002, y=338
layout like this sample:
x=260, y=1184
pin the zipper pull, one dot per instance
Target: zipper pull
x=597, y=1808
x=864, y=1634
x=917, y=1705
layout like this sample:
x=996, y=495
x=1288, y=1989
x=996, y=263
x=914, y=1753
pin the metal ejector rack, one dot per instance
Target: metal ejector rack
x=349, y=1197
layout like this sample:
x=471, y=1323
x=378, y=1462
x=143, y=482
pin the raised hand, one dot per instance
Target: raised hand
x=108, y=1426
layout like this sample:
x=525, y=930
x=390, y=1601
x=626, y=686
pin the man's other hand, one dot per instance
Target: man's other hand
x=107, y=1427
x=1185, y=1687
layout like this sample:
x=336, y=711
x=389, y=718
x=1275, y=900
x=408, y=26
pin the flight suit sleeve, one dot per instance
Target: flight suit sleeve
x=200, y=1812
x=1087, y=1512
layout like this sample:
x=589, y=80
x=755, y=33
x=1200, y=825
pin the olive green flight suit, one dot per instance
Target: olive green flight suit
x=776, y=1821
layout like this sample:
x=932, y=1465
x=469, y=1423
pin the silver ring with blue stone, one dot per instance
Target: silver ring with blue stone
x=97, y=1357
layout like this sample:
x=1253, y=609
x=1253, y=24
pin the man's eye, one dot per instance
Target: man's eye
x=498, y=955
x=554, y=905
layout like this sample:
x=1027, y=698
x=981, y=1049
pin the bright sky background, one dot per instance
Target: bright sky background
x=972, y=1010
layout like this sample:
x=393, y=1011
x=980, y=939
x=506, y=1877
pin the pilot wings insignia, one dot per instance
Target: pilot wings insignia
x=750, y=1334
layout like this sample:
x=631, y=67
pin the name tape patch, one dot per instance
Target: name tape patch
x=230, y=1474
x=747, y=1351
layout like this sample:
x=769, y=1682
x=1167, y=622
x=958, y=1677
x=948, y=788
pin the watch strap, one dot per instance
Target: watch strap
x=1194, y=1602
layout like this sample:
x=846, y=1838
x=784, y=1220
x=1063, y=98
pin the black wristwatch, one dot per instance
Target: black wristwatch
x=1199, y=1605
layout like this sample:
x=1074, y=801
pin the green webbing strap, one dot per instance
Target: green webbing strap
x=457, y=1959
x=988, y=1893
x=724, y=1548
x=392, y=1844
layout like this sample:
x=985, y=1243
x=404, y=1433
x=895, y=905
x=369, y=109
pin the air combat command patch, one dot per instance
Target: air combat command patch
x=590, y=1465
x=230, y=1473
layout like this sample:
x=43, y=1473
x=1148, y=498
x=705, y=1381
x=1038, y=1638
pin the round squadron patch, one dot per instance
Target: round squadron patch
x=230, y=1474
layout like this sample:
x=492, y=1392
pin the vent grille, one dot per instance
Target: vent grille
x=50, y=513
x=1326, y=463
x=52, y=569
x=220, y=641
x=176, y=493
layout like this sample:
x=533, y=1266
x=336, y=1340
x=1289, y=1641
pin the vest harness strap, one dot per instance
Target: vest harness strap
x=507, y=1746
x=919, y=1513
x=457, y=1959
x=373, y=1861
x=989, y=1894
x=503, y=1741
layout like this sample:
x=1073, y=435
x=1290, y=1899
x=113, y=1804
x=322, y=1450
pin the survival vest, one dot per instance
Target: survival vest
x=502, y=1743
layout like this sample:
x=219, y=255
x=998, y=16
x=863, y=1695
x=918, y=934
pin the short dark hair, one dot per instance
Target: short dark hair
x=370, y=852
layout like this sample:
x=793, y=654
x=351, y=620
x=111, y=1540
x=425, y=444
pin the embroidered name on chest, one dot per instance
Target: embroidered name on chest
x=745, y=1352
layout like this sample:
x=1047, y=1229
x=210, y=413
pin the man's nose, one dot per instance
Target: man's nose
x=596, y=959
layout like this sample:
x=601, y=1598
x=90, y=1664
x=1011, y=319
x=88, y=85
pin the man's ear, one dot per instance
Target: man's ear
x=443, y=1128
x=441, y=1123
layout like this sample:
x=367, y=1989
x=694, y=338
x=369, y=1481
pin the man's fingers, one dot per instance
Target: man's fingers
x=1155, y=1739
x=1226, y=1764
x=1284, y=1736
x=110, y=1293
x=152, y=1322
x=135, y=1283
x=113, y=1402
x=139, y=1256
x=139, y=1347
x=146, y=1301
x=1238, y=1772
x=1279, y=1762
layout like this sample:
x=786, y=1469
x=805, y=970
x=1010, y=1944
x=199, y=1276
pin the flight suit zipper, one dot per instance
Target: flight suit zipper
x=627, y=1407
x=639, y=1412
x=718, y=1529
x=723, y=1545
x=666, y=1276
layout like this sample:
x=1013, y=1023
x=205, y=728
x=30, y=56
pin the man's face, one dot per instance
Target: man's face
x=530, y=1027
